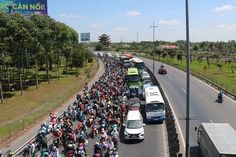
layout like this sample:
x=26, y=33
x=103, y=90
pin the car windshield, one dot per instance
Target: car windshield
x=134, y=124
x=147, y=80
x=154, y=107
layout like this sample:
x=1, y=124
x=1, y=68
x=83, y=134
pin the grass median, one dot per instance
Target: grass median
x=19, y=111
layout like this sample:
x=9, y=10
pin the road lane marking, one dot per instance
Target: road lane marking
x=170, y=77
x=165, y=145
x=177, y=122
x=184, y=90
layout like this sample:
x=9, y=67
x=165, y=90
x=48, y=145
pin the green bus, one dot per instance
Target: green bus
x=133, y=78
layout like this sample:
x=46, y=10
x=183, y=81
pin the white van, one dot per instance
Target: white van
x=133, y=126
x=154, y=105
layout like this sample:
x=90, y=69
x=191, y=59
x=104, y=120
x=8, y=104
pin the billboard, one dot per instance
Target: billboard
x=84, y=36
x=26, y=7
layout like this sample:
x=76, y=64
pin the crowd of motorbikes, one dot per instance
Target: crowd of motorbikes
x=96, y=114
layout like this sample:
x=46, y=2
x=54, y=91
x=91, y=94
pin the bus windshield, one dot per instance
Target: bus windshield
x=133, y=78
x=154, y=107
x=139, y=65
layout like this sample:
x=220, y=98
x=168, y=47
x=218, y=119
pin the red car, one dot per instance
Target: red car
x=134, y=104
x=162, y=70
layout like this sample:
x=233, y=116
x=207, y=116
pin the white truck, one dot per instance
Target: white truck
x=217, y=140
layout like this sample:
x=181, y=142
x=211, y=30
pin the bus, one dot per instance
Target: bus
x=154, y=105
x=125, y=61
x=134, y=81
x=138, y=63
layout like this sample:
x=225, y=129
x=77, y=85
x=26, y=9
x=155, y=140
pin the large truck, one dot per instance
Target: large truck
x=217, y=140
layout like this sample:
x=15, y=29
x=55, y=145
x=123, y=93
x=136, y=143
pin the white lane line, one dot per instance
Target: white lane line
x=210, y=120
x=177, y=122
x=170, y=77
x=184, y=90
x=165, y=145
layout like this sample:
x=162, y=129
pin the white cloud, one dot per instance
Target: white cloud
x=121, y=29
x=224, y=8
x=226, y=27
x=133, y=13
x=169, y=22
x=96, y=25
x=69, y=16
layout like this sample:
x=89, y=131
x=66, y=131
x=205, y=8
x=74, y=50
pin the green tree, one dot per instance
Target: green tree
x=98, y=47
x=104, y=40
x=180, y=57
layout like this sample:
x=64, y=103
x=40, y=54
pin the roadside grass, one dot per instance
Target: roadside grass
x=19, y=111
x=224, y=77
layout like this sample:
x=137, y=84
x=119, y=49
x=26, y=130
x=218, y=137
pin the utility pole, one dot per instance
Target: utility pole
x=153, y=27
x=187, y=151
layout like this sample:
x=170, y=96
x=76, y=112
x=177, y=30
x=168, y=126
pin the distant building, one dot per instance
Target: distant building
x=169, y=46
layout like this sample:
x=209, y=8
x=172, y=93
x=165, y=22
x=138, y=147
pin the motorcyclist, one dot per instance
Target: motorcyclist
x=54, y=152
x=97, y=148
x=220, y=95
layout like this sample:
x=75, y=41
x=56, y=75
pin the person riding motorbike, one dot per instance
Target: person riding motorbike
x=97, y=148
x=220, y=96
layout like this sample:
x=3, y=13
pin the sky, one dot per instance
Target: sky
x=130, y=20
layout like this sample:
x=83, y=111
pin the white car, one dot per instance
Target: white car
x=145, y=75
x=134, y=126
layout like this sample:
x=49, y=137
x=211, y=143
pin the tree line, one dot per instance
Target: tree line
x=38, y=43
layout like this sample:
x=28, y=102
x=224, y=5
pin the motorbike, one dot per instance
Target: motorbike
x=114, y=153
x=80, y=151
x=220, y=99
x=79, y=127
x=94, y=131
x=103, y=125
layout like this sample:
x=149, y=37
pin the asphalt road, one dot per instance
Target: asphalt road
x=154, y=144
x=204, y=107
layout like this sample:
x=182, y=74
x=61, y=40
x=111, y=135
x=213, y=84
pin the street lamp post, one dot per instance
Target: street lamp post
x=187, y=151
x=153, y=27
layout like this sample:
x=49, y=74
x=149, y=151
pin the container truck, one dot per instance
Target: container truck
x=217, y=140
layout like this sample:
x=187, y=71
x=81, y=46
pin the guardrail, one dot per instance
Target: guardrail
x=228, y=93
x=173, y=138
x=20, y=150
